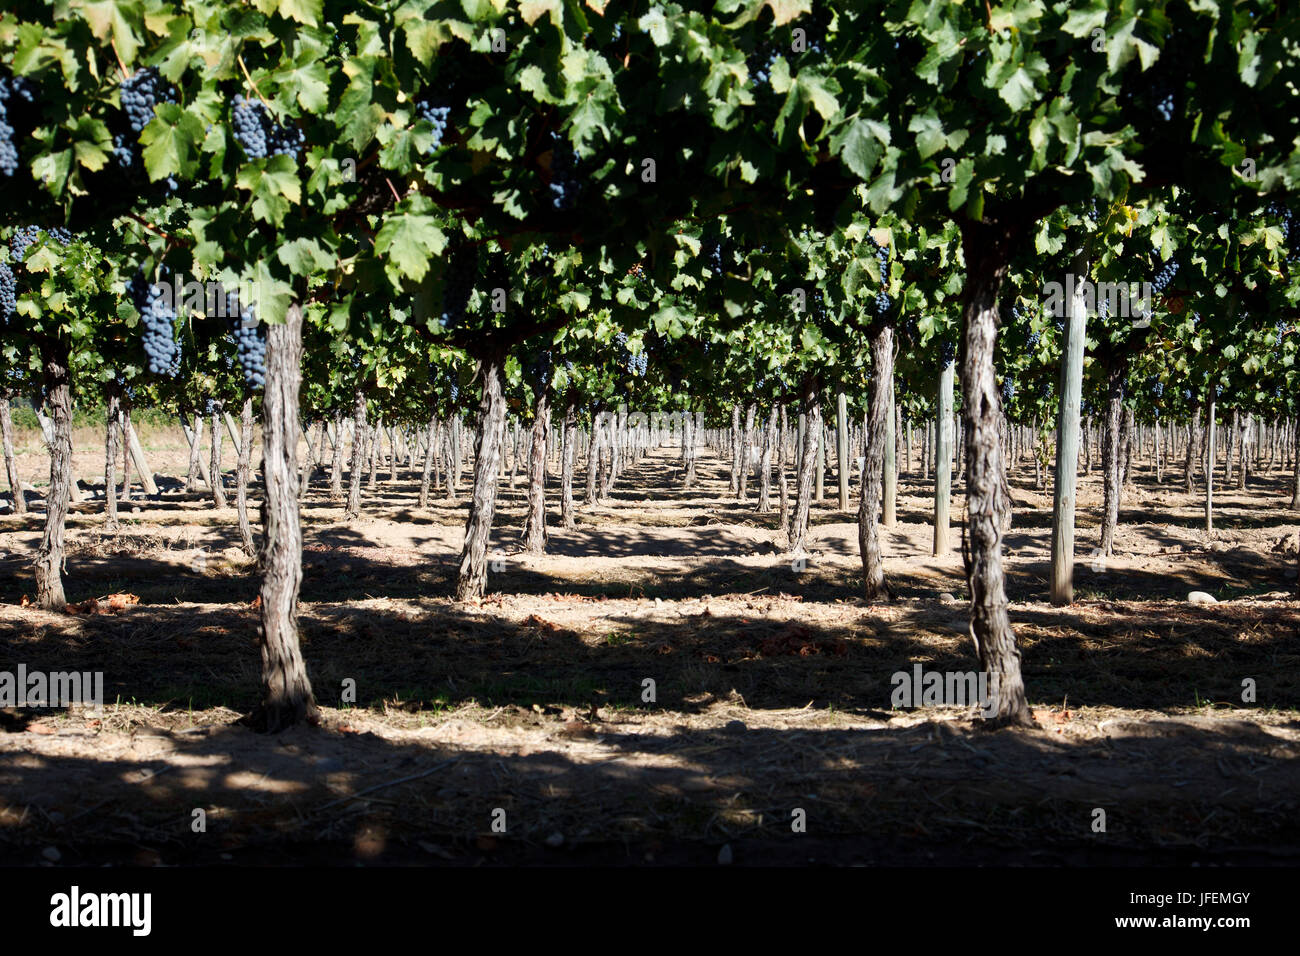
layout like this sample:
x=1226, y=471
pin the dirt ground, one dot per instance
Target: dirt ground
x=772, y=686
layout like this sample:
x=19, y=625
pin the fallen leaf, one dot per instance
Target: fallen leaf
x=110, y=604
x=120, y=602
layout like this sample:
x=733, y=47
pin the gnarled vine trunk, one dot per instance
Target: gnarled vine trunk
x=734, y=481
x=534, y=535
x=987, y=251
x=1193, y=437
x=765, y=476
x=430, y=453
x=812, y=415
x=287, y=697
x=889, y=509
x=243, y=467
x=336, y=460
x=1295, y=476
x=472, y=582
x=196, y=451
x=746, y=443
x=11, y=463
x=114, y=427
x=214, y=465
x=58, y=394
x=353, y=510
x=566, y=462
x=882, y=366
x=942, y=446
x=780, y=470
x=126, y=450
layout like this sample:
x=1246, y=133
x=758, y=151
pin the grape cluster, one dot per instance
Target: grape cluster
x=714, y=252
x=635, y=362
x=453, y=387
x=564, y=180
x=8, y=149
x=437, y=115
x=259, y=135
x=883, y=301
x=1288, y=237
x=124, y=151
x=126, y=154
x=947, y=353
x=458, y=283
x=10, y=90
x=539, y=367
x=140, y=95
x=8, y=293
x=246, y=121
x=250, y=344
x=174, y=366
x=137, y=288
x=159, y=318
x=1165, y=276
x=760, y=67
x=286, y=141
x=251, y=349
x=26, y=235
x=21, y=240
x=1165, y=108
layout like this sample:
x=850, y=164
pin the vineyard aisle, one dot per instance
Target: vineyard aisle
x=579, y=431
x=770, y=682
